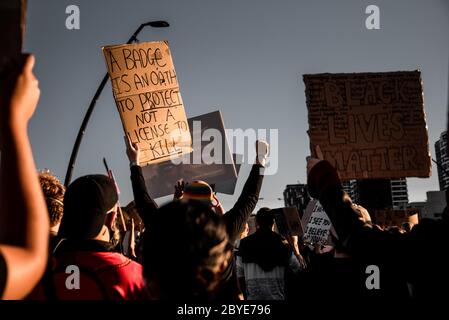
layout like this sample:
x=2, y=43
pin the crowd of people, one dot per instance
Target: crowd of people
x=60, y=243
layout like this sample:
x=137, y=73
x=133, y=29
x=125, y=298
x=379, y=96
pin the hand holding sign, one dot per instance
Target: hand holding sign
x=132, y=151
x=369, y=125
x=218, y=207
x=146, y=92
x=19, y=105
x=179, y=189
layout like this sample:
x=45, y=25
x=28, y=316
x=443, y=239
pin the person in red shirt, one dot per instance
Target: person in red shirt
x=85, y=265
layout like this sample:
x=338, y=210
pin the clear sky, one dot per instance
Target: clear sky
x=245, y=58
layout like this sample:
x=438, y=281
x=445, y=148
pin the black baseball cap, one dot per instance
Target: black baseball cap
x=87, y=201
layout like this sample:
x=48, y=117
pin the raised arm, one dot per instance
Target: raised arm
x=24, y=223
x=359, y=237
x=145, y=205
x=247, y=201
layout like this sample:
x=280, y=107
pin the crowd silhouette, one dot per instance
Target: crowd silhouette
x=190, y=249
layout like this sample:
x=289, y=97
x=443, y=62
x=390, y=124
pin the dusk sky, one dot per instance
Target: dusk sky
x=245, y=58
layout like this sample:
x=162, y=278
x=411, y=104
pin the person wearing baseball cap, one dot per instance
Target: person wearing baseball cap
x=89, y=208
x=200, y=191
x=87, y=226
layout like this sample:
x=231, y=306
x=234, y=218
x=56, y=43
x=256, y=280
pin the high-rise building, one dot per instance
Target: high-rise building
x=433, y=207
x=374, y=194
x=296, y=195
x=443, y=161
x=399, y=193
x=350, y=187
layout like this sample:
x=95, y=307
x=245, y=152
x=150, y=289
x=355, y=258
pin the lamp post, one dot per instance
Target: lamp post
x=82, y=129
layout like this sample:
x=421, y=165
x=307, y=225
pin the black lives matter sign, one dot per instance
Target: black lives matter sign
x=369, y=125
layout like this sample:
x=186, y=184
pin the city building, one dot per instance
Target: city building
x=296, y=195
x=443, y=161
x=378, y=193
x=433, y=207
x=399, y=193
x=435, y=204
x=420, y=206
x=350, y=187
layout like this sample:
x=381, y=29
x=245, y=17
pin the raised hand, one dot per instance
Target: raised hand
x=18, y=106
x=179, y=189
x=132, y=151
x=262, y=149
x=217, y=206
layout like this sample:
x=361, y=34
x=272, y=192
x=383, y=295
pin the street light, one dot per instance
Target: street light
x=81, y=131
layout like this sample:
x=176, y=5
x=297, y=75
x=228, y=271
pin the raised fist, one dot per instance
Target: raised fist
x=262, y=149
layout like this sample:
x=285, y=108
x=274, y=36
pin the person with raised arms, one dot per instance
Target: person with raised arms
x=418, y=257
x=24, y=223
x=233, y=220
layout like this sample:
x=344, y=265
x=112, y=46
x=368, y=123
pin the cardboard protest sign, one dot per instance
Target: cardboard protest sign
x=317, y=224
x=288, y=222
x=160, y=178
x=369, y=125
x=146, y=91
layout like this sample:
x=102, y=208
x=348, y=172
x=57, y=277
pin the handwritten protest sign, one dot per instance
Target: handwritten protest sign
x=369, y=125
x=318, y=225
x=146, y=91
x=160, y=178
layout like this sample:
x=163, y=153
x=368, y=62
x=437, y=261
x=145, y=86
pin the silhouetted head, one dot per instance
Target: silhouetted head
x=54, y=196
x=90, y=205
x=186, y=249
x=201, y=191
x=265, y=219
